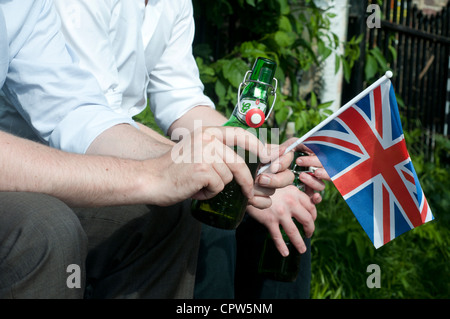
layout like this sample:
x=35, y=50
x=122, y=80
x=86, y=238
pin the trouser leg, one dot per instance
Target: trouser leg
x=216, y=264
x=39, y=238
x=249, y=284
x=141, y=251
x=134, y=251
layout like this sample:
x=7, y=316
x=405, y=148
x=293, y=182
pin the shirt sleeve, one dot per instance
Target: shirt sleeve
x=63, y=103
x=175, y=86
x=4, y=55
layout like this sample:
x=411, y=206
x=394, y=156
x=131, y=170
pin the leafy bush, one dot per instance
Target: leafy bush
x=296, y=34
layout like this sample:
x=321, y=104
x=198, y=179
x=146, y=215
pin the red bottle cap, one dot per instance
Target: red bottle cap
x=255, y=118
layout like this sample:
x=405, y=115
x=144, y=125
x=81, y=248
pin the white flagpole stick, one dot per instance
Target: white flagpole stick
x=385, y=77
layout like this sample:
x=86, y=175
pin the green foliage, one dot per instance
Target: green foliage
x=295, y=34
x=377, y=63
x=414, y=265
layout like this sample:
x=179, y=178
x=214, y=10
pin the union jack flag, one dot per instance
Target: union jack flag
x=364, y=152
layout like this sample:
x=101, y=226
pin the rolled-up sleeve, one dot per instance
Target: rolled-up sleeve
x=63, y=103
x=175, y=85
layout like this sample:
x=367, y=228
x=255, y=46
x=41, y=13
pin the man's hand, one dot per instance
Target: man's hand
x=203, y=162
x=277, y=176
x=288, y=203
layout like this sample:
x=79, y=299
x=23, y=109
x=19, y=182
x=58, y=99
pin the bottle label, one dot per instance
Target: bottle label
x=247, y=104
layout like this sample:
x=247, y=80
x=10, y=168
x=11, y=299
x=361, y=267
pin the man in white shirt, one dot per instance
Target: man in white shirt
x=139, y=46
x=106, y=36
x=132, y=251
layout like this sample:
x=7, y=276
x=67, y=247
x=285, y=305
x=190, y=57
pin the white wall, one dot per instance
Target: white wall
x=333, y=82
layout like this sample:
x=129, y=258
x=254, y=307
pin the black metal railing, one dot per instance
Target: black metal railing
x=420, y=65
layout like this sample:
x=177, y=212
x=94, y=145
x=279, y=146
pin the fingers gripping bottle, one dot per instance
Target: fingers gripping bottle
x=272, y=264
x=226, y=210
x=276, y=267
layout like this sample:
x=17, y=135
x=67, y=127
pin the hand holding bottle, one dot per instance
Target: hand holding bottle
x=290, y=202
x=227, y=209
x=202, y=163
x=277, y=176
x=287, y=203
x=313, y=181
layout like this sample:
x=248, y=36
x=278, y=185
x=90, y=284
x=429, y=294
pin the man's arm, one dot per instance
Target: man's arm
x=155, y=135
x=88, y=180
x=178, y=57
x=203, y=113
x=78, y=180
x=287, y=203
x=126, y=141
x=175, y=87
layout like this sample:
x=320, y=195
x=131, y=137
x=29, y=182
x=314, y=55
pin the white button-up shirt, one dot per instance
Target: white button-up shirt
x=132, y=48
x=61, y=102
x=4, y=55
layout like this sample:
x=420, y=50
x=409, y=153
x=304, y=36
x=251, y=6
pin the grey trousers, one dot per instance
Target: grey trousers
x=120, y=252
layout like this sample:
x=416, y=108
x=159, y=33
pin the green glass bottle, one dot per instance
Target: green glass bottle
x=276, y=267
x=296, y=169
x=272, y=264
x=226, y=210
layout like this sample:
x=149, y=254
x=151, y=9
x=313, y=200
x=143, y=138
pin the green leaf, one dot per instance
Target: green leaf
x=252, y=50
x=393, y=52
x=325, y=105
x=336, y=40
x=371, y=67
x=337, y=64
x=323, y=51
x=284, y=39
x=220, y=90
x=251, y=3
x=281, y=115
x=313, y=99
x=234, y=71
x=284, y=24
x=347, y=70
x=284, y=7
x=378, y=55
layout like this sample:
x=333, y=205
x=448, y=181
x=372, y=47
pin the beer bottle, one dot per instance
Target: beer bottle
x=226, y=210
x=276, y=267
x=271, y=263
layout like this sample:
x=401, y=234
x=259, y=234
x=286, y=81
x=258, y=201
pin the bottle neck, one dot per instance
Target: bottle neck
x=236, y=119
x=251, y=109
x=263, y=71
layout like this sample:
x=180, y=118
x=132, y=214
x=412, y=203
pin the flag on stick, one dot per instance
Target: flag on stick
x=363, y=150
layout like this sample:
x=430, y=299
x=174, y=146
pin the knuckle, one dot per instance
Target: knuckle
x=290, y=201
x=202, y=168
x=269, y=219
x=281, y=211
x=228, y=177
